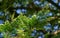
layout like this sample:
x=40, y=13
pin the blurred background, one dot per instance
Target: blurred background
x=11, y=9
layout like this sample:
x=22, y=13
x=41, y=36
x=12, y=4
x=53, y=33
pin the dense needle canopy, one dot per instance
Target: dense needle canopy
x=30, y=18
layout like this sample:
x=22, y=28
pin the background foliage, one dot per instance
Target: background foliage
x=29, y=18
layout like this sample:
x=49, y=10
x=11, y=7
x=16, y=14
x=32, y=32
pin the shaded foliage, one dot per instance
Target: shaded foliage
x=30, y=18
